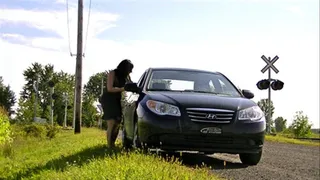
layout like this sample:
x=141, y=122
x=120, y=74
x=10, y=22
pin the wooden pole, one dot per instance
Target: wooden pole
x=78, y=94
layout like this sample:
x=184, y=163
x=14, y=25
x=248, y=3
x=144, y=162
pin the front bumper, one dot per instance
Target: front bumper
x=180, y=134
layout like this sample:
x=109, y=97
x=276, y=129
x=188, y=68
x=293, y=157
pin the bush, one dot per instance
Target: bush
x=52, y=131
x=41, y=131
x=5, y=131
x=300, y=126
x=35, y=130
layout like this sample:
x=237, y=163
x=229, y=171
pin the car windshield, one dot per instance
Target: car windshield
x=191, y=81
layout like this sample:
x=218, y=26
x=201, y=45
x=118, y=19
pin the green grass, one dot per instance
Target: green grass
x=283, y=139
x=85, y=156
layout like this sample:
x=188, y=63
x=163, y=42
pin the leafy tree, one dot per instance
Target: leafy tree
x=264, y=105
x=25, y=110
x=41, y=74
x=89, y=112
x=280, y=124
x=64, y=83
x=300, y=126
x=46, y=75
x=93, y=86
x=7, y=97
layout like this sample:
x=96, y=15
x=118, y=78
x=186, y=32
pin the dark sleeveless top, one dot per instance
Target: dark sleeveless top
x=116, y=83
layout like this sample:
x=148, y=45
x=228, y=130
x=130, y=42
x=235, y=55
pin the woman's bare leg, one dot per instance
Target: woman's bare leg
x=110, y=129
x=115, y=131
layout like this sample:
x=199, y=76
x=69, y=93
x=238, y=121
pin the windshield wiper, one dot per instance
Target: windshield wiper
x=159, y=90
x=208, y=92
x=187, y=90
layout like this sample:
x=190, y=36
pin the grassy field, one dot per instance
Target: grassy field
x=284, y=139
x=85, y=156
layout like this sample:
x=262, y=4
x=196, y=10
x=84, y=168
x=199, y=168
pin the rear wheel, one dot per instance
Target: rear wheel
x=251, y=159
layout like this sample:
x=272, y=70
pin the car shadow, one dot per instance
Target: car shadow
x=200, y=160
x=61, y=163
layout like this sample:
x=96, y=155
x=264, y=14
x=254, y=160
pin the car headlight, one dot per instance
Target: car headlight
x=253, y=113
x=161, y=108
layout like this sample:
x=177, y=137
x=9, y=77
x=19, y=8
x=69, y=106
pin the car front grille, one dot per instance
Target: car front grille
x=207, y=115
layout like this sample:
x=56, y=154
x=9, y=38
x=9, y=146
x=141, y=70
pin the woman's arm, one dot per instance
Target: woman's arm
x=110, y=83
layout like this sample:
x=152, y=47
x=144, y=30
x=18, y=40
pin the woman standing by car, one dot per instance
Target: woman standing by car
x=111, y=99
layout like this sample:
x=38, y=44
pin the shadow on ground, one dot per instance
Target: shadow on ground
x=200, y=160
x=63, y=162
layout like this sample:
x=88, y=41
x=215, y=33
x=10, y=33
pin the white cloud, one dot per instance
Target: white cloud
x=56, y=21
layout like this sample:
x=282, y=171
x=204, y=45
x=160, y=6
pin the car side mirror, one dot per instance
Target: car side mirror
x=131, y=87
x=247, y=94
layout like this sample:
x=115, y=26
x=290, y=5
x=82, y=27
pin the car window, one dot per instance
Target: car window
x=172, y=84
x=181, y=80
x=141, y=79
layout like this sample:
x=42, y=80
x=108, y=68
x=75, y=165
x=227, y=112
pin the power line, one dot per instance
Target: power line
x=68, y=26
x=89, y=13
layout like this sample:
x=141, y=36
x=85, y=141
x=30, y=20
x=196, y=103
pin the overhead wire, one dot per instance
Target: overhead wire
x=86, y=38
x=68, y=26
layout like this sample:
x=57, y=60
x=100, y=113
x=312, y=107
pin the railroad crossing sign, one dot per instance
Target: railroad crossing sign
x=269, y=64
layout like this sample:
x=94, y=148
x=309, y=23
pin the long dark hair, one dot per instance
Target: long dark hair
x=123, y=69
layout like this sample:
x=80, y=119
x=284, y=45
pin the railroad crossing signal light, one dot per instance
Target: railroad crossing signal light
x=54, y=96
x=263, y=84
x=277, y=85
x=68, y=107
x=51, y=83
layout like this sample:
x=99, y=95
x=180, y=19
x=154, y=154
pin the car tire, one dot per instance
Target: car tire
x=251, y=159
x=136, y=141
x=126, y=143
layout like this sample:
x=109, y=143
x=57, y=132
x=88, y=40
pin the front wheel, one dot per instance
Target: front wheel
x=251, y=159
x=126, y=143
x=136, y=141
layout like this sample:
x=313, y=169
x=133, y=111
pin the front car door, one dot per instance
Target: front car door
x=130, y=107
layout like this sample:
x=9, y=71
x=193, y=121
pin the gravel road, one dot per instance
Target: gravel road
x=279, y=161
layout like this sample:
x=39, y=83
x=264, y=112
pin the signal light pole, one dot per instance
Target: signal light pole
x=269, y=83
x=53, y=96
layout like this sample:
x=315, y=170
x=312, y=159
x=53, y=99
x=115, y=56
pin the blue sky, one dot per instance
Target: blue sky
x=222, y=35
x=183, y=22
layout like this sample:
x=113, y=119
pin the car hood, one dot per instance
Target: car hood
x=202, y=100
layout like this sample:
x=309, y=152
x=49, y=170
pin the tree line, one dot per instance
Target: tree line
x=300, y=127
x=64, y=84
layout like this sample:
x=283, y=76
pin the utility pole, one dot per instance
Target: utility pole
x=51, y=106
x=53, y=96
x=35, y=87
x=65, y=97
x=78, y=87
x=74, y=109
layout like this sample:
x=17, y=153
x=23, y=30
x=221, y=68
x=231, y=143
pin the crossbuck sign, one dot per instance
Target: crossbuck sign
x=269, y=64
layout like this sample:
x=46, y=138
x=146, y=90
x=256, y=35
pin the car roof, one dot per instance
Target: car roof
x=181, y=69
